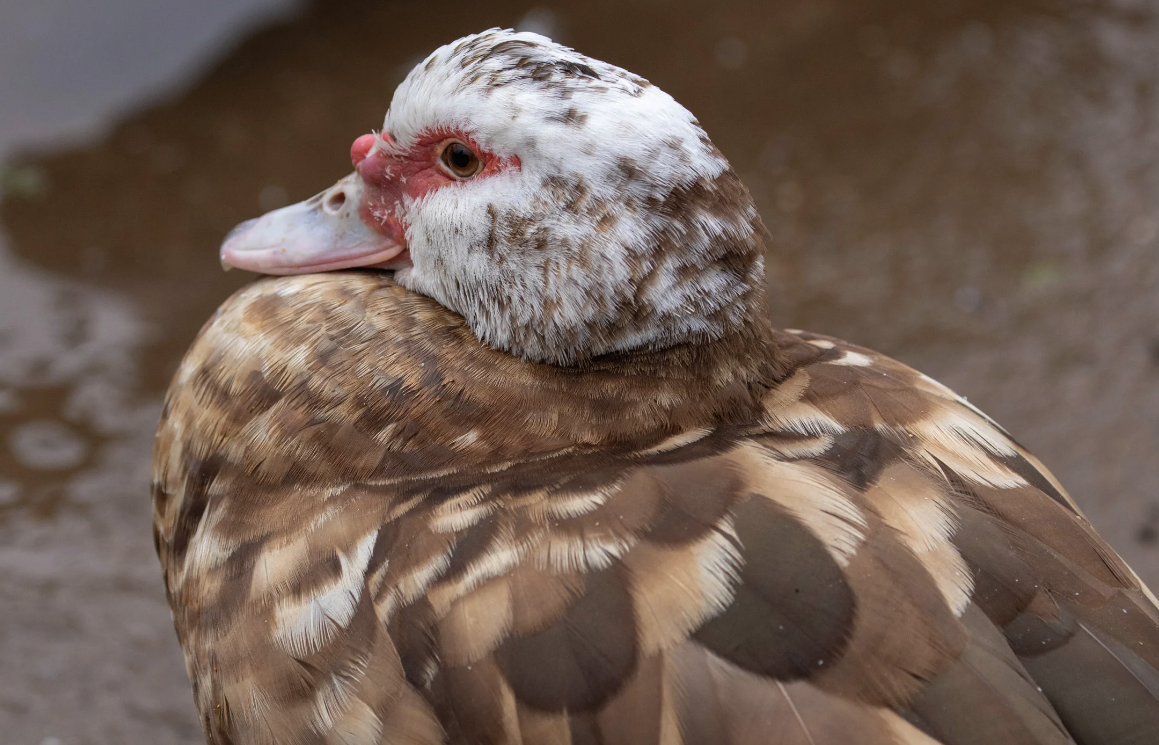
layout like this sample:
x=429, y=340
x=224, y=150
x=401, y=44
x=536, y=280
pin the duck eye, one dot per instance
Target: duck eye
x=459, y=161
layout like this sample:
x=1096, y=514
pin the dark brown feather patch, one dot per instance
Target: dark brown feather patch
x=793, y=610
x=583, y=659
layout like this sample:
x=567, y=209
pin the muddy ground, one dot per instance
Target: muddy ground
x=972, y=187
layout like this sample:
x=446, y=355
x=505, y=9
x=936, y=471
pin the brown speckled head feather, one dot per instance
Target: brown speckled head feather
x=375, y=529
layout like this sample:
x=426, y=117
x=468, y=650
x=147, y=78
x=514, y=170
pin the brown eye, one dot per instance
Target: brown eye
x=459, y=161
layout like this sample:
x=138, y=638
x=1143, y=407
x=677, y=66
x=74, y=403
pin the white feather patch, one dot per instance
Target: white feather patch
x=563, y=553
x=808, y=493
x=677, y=441
x=304, y=625
x=964, y=442
x=852, y=359
x=922, y=514
x=803, y=419
x=674, y=591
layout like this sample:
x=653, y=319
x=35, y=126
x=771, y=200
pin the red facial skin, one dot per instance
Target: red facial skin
x=389, y=176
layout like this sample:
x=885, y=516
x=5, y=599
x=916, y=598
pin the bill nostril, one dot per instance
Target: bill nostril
x=334, y=201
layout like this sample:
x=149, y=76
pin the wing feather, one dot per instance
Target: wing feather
x=426, y=541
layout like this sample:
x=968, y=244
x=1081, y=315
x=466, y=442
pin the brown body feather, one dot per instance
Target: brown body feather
x=374, y=529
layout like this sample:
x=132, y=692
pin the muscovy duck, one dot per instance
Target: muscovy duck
x=538, y=469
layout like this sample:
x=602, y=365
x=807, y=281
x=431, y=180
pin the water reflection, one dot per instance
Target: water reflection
x=68, y=378
x=972, y=187
x=82, y=611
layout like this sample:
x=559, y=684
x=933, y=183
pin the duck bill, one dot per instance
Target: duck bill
x=322, y=233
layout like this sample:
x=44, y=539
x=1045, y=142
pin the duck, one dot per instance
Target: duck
x=505, y=448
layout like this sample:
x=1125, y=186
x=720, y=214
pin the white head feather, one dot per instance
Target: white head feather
x=623, y=226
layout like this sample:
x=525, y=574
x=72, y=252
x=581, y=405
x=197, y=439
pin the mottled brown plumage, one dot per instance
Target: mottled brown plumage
x=375, y=528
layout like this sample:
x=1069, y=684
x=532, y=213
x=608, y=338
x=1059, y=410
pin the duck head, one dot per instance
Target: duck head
x=565, y=207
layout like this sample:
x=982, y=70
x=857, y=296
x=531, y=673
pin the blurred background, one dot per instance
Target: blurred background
x=971, y=186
